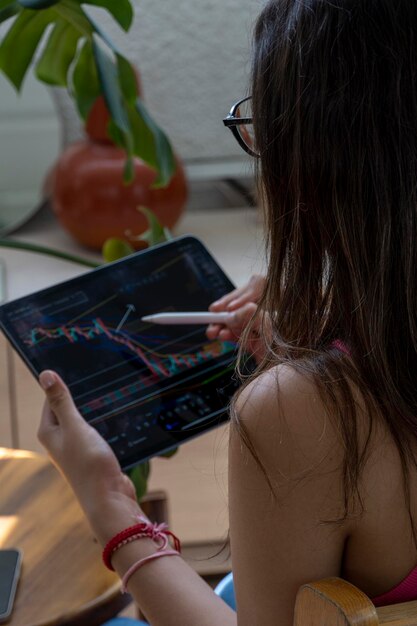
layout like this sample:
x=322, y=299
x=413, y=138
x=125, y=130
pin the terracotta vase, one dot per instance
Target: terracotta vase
x=92, y=202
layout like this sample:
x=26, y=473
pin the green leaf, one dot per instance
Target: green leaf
x=85, y=85
x=20, y=43
x=129, y=171
x=120, y=9
x=8, y=8
x=119, y=139
x=58, y=55
x=114, y=249
x=103, y=35
x=139, y=476
x=31, y=247
x=115, y=134
x=152, y=145
x=37, y=4
x=109, y=81
x=127, y=79
x=169, y=454
x=156, y=233
x=71, y=11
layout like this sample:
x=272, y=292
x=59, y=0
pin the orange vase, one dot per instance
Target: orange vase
x=90, y=198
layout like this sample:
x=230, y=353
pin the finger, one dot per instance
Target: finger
x=59, y=398
x=252, y=293
x=232, y=330
x=256, y=286
x=239, y=302
x=221, y=303
x=241, y=317
x=212, y=331
x=226, y=335
x=237, y=299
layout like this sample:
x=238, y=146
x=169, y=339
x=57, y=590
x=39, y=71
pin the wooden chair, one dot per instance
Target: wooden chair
x=335, y=602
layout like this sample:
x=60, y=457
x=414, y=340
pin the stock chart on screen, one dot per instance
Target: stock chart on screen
x=144, y=387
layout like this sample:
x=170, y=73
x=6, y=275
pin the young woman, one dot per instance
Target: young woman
x=323, y=439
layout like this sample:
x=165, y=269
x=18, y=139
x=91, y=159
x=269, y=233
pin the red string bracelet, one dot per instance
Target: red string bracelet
x=158, y=532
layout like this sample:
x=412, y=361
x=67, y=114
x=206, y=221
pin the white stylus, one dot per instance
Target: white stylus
x=203, y=317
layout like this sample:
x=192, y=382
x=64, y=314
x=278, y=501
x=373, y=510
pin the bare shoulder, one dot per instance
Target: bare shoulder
x=287, y=422
x=284, y=481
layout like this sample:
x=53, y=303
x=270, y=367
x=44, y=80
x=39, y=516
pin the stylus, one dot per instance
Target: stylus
x=203, y=317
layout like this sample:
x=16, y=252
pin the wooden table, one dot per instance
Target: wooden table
x=63, y=580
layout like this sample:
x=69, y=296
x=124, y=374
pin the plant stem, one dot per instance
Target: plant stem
x=29, y=247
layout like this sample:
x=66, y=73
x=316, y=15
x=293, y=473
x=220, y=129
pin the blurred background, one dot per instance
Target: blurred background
x=193, y=59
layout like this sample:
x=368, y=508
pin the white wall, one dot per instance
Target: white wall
x=29, y=144
x=193, y=57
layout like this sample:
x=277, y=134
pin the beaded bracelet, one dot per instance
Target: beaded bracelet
x=158, y=532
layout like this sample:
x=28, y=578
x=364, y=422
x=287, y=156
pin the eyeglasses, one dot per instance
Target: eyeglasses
x=239, y=121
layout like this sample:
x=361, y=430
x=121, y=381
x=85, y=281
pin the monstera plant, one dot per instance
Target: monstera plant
x=67, y=48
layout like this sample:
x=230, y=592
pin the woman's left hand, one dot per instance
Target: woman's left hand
x=106, y=495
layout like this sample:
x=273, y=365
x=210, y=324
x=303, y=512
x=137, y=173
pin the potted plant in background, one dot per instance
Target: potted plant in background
x=127, y=159
x=76, y=54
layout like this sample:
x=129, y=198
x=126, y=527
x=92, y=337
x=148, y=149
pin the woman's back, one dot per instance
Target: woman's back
x=380, y=551
x=299, y=532
x=334, y=91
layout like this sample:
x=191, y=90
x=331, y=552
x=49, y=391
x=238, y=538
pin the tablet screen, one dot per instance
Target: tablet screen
x=146, y=388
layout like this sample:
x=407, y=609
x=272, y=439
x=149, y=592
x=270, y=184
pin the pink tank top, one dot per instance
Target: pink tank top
x=406, y=590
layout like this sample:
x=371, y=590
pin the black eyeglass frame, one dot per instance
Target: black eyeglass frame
x=231, y=121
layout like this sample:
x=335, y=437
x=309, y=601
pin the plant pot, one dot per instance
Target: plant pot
x=92, y=202
x=155, y=506
x=91, y=199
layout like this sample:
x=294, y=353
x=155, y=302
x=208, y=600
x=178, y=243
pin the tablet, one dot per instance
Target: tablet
x=146, y=388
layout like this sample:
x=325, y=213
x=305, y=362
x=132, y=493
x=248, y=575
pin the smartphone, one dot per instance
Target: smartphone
x=10, y=562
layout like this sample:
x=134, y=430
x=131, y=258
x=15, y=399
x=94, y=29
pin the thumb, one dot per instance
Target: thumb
x=59, y=397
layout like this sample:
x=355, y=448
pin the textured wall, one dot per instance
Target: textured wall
x=29, y=144
x=194, y=58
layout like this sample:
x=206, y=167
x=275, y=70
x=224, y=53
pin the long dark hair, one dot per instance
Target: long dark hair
x=334, y=91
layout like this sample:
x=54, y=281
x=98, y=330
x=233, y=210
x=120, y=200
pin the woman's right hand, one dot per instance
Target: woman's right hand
x=242, y=303
x=251, y=292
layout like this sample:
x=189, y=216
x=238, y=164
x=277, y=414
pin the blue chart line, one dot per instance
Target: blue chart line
x=158, y=366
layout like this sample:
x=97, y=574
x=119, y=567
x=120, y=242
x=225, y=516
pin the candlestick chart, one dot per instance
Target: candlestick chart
x=144, y=387
x=157, y=365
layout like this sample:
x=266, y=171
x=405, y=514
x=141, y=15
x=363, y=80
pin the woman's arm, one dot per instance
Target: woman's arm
x=280, y=541
x=277, y=544
x=167, y=590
